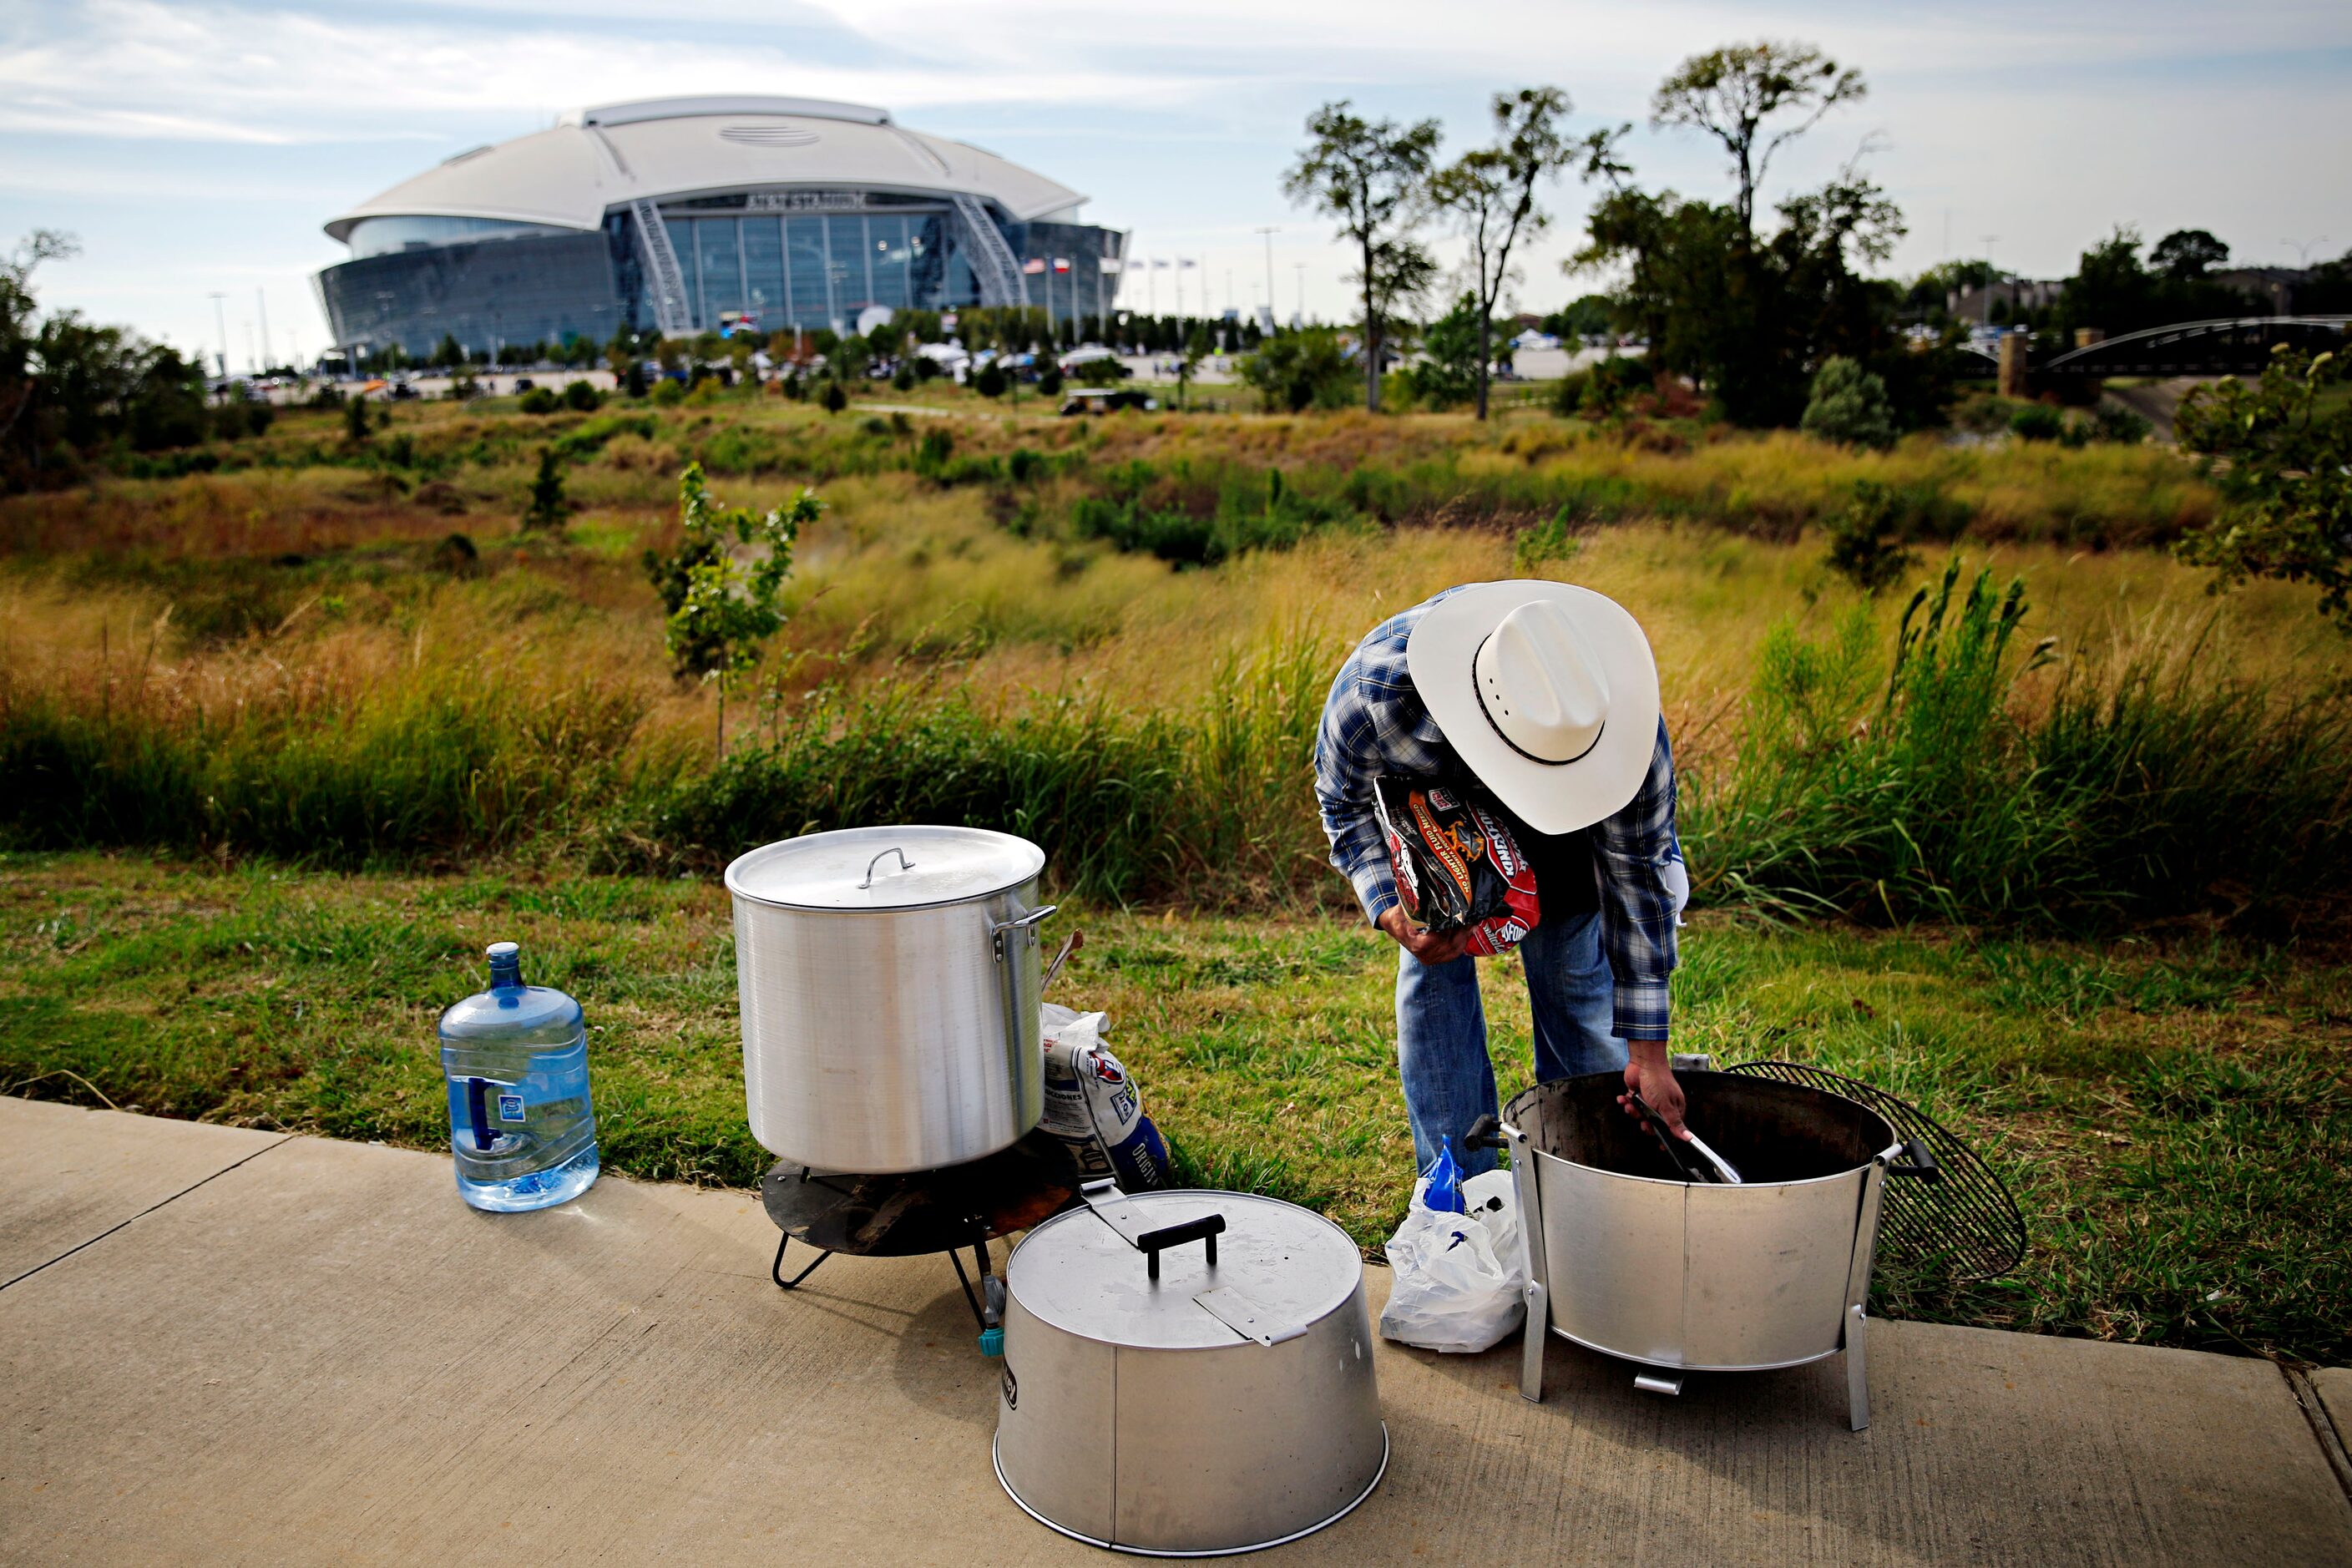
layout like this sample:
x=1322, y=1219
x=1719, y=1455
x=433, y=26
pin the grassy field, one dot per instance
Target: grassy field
x=288, y=729
x=2175, y=1118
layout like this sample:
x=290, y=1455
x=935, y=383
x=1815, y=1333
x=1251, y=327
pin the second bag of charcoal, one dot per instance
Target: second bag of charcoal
x=1093, y=1106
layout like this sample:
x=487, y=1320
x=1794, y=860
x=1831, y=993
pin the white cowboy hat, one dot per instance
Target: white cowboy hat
x=1546, y=692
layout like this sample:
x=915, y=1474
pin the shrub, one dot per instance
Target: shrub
x=668, y=394
x=541, y=400
x=2037, y=422
x=989, y=381
x=1302, y=370
x=903, y=378
x=1049, y=380
x=1864, y=547
x=582, y=397
x=1026, y=465
x=2121, y=427
x=1546, y=542
x=926, y=368
x=1849, y=405
x=834, y=398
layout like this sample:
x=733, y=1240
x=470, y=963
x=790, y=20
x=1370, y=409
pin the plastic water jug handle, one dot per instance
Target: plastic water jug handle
x=477, y=1115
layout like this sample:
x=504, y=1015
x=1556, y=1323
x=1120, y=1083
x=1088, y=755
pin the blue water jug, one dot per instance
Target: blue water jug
x=516, y=1058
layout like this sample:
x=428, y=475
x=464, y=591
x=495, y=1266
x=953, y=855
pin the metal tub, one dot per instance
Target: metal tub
x=1625, y=1257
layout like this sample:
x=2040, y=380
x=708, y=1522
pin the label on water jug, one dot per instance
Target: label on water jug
x=510, y=1108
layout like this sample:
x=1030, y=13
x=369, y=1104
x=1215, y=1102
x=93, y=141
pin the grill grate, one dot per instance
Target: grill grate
x=1967, y=1223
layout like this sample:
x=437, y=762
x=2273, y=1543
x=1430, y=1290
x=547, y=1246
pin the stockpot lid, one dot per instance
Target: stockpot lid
x=1280, y=1269
x=884, y=869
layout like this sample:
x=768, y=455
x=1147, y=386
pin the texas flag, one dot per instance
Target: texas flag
x=1034, y=266
x=1061, y=263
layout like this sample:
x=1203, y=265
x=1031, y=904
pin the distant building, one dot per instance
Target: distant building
x=688, y=214
x=2015, y=293
x=2275, y=287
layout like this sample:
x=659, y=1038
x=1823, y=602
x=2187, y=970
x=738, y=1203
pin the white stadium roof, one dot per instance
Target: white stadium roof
x=594, y=159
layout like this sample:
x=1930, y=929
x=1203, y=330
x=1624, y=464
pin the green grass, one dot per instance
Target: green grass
x=2174, y=1117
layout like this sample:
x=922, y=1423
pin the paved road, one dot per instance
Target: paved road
x=227, y=1346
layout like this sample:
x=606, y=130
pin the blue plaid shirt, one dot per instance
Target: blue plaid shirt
x=1374, y=723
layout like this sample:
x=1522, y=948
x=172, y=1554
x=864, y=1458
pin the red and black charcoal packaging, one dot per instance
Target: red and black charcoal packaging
x=1457, y=863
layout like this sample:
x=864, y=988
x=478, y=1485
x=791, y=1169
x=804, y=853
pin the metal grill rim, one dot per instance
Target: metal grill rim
x=1969, y=1217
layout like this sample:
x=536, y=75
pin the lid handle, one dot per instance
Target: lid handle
x=903, y=865
x=1153, y=1242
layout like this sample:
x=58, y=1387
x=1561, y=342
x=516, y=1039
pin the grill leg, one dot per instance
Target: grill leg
x=1535, y=1338
x=1857, y=1378
x=776, y=1271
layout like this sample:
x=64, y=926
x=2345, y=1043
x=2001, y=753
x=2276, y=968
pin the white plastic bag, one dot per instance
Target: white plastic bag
x=1460, y=1285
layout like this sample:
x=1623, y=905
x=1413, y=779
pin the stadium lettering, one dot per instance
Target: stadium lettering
x=804, y=201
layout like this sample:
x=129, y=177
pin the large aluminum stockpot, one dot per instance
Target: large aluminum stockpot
x=1187, y=1373
x=889, y=984
x=1625, y=1257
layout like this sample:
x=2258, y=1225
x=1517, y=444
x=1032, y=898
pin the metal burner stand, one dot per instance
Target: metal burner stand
x=918, y=1213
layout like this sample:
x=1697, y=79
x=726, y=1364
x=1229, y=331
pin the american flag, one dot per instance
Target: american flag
x=1034, y=266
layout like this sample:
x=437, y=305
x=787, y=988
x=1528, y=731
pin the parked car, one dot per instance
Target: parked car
x=1108, y=400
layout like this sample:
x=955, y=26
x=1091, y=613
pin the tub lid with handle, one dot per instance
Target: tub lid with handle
x=1185, y=1269
x=875, y=869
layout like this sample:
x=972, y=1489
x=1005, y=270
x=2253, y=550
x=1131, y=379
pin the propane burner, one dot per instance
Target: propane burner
x=916, y=1213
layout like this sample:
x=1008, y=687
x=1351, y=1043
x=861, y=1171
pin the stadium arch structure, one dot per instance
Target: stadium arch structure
x=687, y=215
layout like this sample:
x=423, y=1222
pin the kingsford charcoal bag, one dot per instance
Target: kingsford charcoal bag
x=1457, y=863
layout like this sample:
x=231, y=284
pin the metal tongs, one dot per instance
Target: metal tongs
x=1713, y=1168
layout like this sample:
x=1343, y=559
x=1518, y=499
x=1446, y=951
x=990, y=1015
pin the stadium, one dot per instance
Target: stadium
x=687, y=215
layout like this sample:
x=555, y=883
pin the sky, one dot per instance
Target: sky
x=196, y=149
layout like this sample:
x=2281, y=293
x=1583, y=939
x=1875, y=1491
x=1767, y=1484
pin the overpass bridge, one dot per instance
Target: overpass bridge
x=2238, y=345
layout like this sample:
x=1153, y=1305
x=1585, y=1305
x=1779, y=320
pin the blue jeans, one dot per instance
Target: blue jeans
x=1449, y=1080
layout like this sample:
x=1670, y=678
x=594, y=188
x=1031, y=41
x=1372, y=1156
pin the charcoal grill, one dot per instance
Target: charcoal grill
x=1626, y=1255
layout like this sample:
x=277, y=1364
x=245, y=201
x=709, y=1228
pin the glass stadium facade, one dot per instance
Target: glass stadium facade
x=812, y=251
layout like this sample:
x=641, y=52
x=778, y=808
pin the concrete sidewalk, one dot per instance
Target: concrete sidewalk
x=227, y=1346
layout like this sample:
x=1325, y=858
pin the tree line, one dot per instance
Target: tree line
x=1747, y=304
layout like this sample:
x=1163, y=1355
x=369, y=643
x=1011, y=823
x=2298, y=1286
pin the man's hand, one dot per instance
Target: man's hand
x=1647, y=1075
x=1426, y=946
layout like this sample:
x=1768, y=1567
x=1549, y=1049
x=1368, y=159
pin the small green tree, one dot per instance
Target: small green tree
x=721, y=611
x=548, y=506
x=1049, y=380
x=1865, y=547
x=355, y=420
x=903, y=378
x=989, y=381
x=582, y=398
x=1196, y=348
x=2280, y=452
x=835, y=399
x=1849, y=404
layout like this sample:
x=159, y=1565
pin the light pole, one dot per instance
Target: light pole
x=262, y=306
x=1269, y=231
x=2304, y=247
x=1992, y=278
x=220, y=322
x=1301, y=265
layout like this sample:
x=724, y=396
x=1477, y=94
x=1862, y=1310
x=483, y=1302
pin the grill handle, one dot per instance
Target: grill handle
x=1487, y=1132
x=1922, y=1162
x=1152, y=1243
